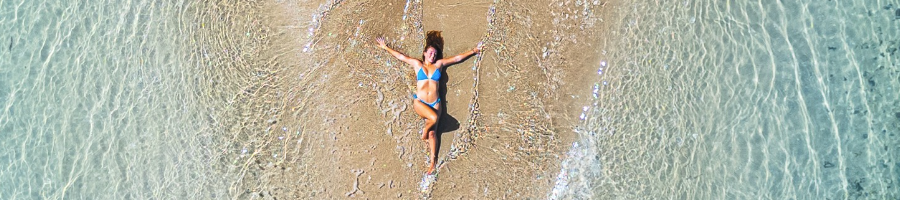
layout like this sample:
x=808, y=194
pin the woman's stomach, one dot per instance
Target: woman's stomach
x=427, y=90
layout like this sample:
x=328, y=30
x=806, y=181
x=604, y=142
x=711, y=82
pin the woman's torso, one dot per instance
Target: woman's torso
x=427, y=89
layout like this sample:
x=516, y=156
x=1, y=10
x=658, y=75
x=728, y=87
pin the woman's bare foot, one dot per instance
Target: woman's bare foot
x=430, y=165
x=425, y=135
x=431, y=169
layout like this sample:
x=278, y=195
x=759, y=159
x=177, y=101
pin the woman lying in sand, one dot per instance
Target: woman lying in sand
x=427, y=101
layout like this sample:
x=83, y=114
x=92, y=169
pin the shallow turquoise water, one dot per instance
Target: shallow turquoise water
x=96, y=101
x=743, y=100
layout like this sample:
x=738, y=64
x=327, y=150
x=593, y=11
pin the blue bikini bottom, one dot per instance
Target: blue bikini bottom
x=432, y=104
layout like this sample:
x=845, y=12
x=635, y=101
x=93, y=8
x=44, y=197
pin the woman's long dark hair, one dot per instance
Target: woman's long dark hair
x=434, y=39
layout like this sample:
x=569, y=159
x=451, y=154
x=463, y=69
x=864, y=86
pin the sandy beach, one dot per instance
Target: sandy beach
x=358, y=135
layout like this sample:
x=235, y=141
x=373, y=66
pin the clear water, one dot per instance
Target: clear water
x=743, y=100
x=104, y=100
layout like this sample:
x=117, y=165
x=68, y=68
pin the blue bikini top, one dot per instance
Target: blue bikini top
x=436, y=76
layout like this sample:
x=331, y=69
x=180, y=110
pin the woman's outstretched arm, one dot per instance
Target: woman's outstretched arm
x=398, y=55
x=460, y=57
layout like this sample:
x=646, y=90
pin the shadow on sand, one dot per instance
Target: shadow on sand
x=446, y=122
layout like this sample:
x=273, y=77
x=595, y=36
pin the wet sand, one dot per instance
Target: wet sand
x=528, y=79
x=341, y=122
x=343, y=145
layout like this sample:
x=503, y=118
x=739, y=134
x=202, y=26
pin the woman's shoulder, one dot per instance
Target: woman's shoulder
x=417, y=63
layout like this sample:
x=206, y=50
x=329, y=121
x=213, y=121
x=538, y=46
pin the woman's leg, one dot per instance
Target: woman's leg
x=430, y=116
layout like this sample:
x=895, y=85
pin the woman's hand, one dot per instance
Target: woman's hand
x=478, y=47
x=398, y=55
x=380, y=41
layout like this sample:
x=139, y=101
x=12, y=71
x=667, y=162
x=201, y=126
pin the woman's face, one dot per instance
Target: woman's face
x=429, y=54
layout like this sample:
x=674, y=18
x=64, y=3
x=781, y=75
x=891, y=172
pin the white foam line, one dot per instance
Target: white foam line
x=577, y=171
x=406, y=10
x=561, y=185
